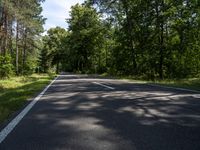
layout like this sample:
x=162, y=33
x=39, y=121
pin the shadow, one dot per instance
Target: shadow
x=81, y=115
x=12, y=99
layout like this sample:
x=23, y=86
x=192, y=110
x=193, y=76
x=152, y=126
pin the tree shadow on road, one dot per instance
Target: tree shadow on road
x=131, y=117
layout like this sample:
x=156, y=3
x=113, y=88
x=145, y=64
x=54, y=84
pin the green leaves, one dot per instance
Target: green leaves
x=53, y=48
x=21, y=24
x=152, y=39
x=85, y=28
x=6, y=67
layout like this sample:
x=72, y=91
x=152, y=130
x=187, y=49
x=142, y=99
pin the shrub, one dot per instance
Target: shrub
x=6, y=67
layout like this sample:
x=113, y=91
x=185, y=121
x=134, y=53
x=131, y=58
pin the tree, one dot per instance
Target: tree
x=20, y=25
x=154, y=39
x=53, y=48
x=157, y=39
x=86, y=31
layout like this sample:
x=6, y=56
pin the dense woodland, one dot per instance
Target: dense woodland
x=149, y=39
x=21, y=24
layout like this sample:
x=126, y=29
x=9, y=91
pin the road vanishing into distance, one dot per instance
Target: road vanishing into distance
x=81, y=112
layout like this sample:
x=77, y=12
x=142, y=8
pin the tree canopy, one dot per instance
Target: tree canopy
x=150, y=39
x=21, y=24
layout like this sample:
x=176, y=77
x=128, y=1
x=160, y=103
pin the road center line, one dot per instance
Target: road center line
x=8, y=129
x=104, y=85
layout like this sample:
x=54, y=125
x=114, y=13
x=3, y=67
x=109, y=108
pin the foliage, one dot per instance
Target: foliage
x=6, y=67
x=78, y=49
x=156, y=39
x=20, y=26
x=149, y=39
x=53, y=49
x=86, y=38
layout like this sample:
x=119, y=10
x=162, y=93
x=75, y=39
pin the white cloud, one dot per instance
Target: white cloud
x=57, y=11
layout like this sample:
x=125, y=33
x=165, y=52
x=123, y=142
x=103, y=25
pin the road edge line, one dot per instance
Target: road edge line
x=175, y=88
x=10, y=126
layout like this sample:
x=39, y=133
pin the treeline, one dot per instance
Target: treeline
x=20, y=26
x=151, y=39
x=79, y=48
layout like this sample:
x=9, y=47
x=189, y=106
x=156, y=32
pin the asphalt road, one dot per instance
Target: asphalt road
x=85, y=113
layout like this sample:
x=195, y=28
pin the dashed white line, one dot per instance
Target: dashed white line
x=104, y=85
x=8, y=129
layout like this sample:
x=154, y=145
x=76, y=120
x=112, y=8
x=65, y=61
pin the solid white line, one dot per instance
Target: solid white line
x=168, y=87
x=8, y=129
x=104, y=85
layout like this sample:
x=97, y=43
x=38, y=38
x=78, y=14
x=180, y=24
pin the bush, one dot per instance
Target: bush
x=6, y=67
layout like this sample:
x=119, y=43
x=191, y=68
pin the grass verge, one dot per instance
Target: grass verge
x=191, y=83
x=15, y=92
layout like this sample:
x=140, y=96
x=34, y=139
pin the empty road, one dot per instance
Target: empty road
x=80, y=112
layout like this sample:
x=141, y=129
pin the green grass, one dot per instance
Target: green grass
x=191, y=83
x=15, y=92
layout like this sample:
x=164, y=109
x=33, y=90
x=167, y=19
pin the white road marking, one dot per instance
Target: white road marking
x=104, y=85
x=168, y=87
x=8, y=129
x=196, y=96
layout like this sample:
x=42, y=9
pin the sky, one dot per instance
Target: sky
x=57, y=11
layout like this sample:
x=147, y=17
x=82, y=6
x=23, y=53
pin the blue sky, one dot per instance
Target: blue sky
x=56, y=12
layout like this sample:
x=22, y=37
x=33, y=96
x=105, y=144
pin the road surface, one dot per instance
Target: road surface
x=80, y=112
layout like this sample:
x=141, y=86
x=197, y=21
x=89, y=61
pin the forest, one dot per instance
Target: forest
x=153, y=39
x=103, y=74
x=21, y=25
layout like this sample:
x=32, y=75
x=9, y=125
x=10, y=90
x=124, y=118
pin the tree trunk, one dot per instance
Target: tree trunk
x=129, y=33
x=17, y=49
x=1, y=25
x=161, y=53
x=3, y=29
x=160, y=28
x=57, y=67
x=24, y=51
x=10, y=39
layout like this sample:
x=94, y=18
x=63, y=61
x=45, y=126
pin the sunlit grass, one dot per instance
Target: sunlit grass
x=191, y=83
x=188, y=83
x=15, y=92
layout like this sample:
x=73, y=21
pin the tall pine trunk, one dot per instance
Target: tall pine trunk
x=130, y=36
x=160, y=29
x=17, y=48
x=3, y=28
x=24, y=51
